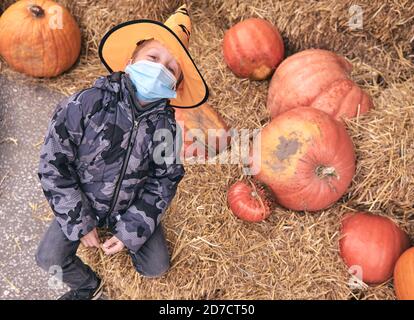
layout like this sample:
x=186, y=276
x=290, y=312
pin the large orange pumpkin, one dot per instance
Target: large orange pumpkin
x=372, y=243
x=404, y=276
x=253, y=48
x=198, y=126
x=319, y=79
x=307, y=159
x=39, y=38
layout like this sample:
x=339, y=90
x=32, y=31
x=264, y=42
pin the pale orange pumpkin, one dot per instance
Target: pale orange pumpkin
x=253, y=48
x=195, y=124
x=319, y=79
x=404, y=276
x=39, y=38
x=306, y=158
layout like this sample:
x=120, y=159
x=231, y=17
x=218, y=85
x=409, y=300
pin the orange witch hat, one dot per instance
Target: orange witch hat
x=118, y=44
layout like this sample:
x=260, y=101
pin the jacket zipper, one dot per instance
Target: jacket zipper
x=131, y=142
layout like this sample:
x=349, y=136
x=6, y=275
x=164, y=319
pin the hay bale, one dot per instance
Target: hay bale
x=290, y=255
x=382, y=50
x=385, y=142
x=385, y=42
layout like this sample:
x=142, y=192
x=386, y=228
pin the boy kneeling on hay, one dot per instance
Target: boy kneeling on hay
x=109, y=157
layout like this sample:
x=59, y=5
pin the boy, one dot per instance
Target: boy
x=109, y=157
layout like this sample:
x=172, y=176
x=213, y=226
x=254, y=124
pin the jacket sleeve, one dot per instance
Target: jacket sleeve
x=139, y=221
x=56, y=172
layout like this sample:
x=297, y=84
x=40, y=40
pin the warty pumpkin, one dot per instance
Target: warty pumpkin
x=319, y=79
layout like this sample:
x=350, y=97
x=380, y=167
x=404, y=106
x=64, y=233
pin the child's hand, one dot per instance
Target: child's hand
x=91, y=239
x=112, y=245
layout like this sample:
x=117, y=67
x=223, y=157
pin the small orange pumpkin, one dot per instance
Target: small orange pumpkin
x=39, y=38
x=248, y=203
x=318, y=79
x=307, y=159
x=404, y=276
x=253, y=48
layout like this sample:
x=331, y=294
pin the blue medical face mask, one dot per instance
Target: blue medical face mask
x=152, y=80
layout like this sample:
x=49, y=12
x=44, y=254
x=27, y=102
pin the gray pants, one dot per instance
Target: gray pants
x=151, y=260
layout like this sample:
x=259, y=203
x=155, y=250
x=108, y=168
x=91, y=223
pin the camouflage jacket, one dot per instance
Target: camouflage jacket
x=97, y=163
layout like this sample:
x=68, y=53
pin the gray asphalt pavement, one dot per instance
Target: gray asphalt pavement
x=24, y=113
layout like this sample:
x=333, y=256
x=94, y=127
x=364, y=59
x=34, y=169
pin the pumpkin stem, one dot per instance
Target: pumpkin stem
x=324, y=172
x=255, y=194
x=37, y=11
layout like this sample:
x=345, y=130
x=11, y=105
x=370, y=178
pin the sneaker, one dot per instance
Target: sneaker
x=84, y=294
